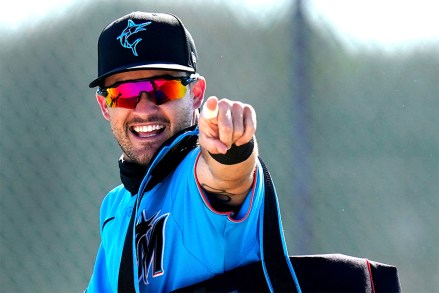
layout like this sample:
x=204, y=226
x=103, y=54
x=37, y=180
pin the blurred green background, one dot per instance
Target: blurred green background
x=349, y=131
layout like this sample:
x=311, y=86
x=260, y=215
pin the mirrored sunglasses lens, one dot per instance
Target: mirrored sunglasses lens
x=117, y=99
x=168, y=90
x=127, y=94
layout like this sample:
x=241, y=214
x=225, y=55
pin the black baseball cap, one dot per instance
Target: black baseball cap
x=144, y=40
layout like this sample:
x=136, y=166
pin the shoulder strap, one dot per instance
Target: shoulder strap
x=278, y=268
x=126, y=269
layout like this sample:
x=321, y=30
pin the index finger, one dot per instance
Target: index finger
x=210, y=108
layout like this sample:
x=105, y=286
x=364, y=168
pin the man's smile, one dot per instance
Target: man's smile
x=146, y=131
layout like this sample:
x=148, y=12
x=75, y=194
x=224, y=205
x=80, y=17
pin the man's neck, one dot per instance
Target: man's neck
x=131, y=175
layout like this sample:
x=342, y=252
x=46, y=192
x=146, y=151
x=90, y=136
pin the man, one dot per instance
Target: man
x=191, y=201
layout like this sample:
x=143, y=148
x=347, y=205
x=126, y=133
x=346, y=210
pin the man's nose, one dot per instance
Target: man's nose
x=145, y=103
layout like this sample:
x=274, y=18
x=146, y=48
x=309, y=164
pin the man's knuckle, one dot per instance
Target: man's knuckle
x=227, y=129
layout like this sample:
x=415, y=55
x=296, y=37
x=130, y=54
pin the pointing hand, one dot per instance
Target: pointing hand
x=223, y=123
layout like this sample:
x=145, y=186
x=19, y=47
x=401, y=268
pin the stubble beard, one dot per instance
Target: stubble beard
x=144, y=155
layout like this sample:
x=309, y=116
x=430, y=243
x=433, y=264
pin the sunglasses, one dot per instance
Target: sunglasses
x=159, y=89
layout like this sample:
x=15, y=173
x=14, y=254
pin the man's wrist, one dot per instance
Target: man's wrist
x=236, y=154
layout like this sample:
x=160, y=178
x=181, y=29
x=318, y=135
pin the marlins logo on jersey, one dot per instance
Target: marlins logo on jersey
x=150, y=243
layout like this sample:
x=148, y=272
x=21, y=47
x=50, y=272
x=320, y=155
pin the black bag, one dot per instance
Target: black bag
x=316, y=273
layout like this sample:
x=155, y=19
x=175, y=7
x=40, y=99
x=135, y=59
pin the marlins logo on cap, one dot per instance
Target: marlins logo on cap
x=131, y=29
x=143, y=40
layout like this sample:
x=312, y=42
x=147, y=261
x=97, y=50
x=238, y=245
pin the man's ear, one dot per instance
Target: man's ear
x=198, y=89
x=103, y=105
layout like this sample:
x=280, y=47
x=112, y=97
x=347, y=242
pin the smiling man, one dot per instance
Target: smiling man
x=141, y=125
x=190, y=205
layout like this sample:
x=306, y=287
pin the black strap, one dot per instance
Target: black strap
x=126, y=271
x=170, y=161
x=276, y=262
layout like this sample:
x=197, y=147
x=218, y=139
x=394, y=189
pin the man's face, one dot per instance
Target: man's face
x=141, y=131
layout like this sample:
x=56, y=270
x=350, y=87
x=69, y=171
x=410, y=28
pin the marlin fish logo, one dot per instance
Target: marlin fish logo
x=132, y=29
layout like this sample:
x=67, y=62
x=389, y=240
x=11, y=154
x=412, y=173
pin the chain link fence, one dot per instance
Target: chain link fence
x=351, y=139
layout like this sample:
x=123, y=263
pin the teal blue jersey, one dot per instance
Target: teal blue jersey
x=178, y=238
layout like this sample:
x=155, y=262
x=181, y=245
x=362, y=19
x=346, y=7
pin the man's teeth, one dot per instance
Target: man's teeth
x=148, y=128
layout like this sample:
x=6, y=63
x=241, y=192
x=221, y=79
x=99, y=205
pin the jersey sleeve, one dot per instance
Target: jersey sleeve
x=99, y=281
x=114, y=216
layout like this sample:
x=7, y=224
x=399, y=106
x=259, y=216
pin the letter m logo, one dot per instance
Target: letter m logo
x=150, y=244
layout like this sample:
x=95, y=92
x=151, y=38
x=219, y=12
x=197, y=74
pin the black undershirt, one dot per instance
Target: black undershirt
x=132, y=174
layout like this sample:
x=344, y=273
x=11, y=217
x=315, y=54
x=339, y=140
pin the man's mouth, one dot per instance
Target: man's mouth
x=147, y=131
